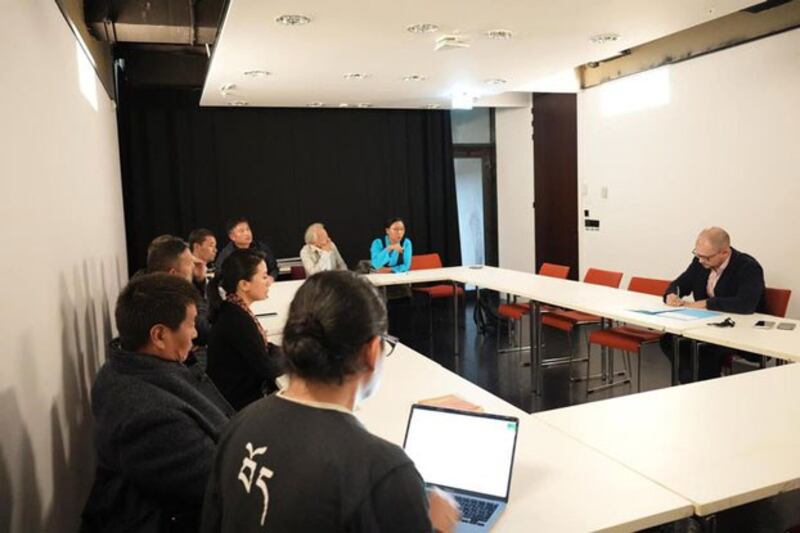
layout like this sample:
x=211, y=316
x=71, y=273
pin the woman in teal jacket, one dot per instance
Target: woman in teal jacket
x=393, y=252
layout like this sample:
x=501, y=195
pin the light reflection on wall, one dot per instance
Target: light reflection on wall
x=636, y=93
x=86, y=76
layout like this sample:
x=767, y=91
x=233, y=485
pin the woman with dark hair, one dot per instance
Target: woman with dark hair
x=299, y=460
x=241, y=362
x=393, y=252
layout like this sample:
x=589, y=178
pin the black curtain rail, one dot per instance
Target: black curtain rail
x=185, y=167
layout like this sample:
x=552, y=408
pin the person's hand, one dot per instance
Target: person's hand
x=327, y=246
x=198, y=269
x=674, y=301
x=396, y=247
x=443, y=511
x=696, y=305
x=384, y=270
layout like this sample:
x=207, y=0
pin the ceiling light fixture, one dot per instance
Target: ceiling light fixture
x=227, y=89
x=356, y=76
x=500, y=35
x=363, y=106
x=414, y=77
x=451, y=42
x=344, y=105
x=422, y=28
x=239, y=103
x=293, y=20
x=315, y=104
x=604, y=38
x=257, y=73
x=496, y=81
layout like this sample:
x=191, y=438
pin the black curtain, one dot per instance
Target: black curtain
x=185, y=167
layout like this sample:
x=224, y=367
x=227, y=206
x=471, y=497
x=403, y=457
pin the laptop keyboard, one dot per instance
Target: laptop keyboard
x=475, y=511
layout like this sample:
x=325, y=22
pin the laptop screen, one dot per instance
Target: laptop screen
x=471, y=452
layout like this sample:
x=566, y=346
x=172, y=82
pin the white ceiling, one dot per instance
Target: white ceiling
x=308, y=62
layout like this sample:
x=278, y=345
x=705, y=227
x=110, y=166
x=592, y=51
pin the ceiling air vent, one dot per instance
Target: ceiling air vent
x=451, y=42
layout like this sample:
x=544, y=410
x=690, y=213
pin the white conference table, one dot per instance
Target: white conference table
x=773, y=342
x=719, y=443
x=607, y=302
x=558, y=484
x=714, y=442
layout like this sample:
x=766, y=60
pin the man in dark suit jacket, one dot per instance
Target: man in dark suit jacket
x=719, y=278
x=241, y=236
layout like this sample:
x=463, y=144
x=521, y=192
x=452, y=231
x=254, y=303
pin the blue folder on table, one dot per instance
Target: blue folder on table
x=680, y=313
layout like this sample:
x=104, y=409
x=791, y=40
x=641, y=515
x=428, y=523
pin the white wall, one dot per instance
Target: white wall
x=724, y=151
x=62, y=265
x=514, y=145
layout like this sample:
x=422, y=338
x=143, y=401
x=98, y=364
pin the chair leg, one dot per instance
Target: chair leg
x=430, y=324
x=626, y=359
x=639, y=372
x=588, y=366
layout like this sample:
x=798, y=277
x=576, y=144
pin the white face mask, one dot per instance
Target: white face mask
x=366, y=390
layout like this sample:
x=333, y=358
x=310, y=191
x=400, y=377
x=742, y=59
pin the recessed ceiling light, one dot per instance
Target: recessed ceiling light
x=604, y=38
x=356, y=76
x=239, y=103
x=363, y=105
x=293, y=20
x=257, y=73
x=496, y=81
x=414, y=77
x=432, y=106
x=500, y=34
x=315, y=104
x=344, y=105
x=422, y=28
x=227, y=89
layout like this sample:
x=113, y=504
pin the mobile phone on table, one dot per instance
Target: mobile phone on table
x=787, y=326
x=764, y=324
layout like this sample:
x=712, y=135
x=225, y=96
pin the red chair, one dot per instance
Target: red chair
x=567, y=321
x=513, y=312
x=628, y=339
x=776, y=304
x=297, y=272
x=777, y=301
x=434, y=292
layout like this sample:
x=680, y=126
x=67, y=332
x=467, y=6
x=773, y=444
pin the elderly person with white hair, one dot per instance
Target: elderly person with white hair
x=320, y=253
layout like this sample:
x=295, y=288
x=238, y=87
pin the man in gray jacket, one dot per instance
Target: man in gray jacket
x=157, y=423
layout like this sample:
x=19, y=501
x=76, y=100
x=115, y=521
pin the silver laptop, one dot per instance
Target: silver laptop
x=469, y=455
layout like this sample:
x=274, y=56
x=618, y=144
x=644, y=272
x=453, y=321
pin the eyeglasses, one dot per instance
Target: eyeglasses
x=705, y=257
x=389, y=344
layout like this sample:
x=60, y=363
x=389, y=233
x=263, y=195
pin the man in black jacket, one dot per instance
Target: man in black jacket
x=157, y=423
x=241, y=237
x=719, y=278
x=171, y=255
